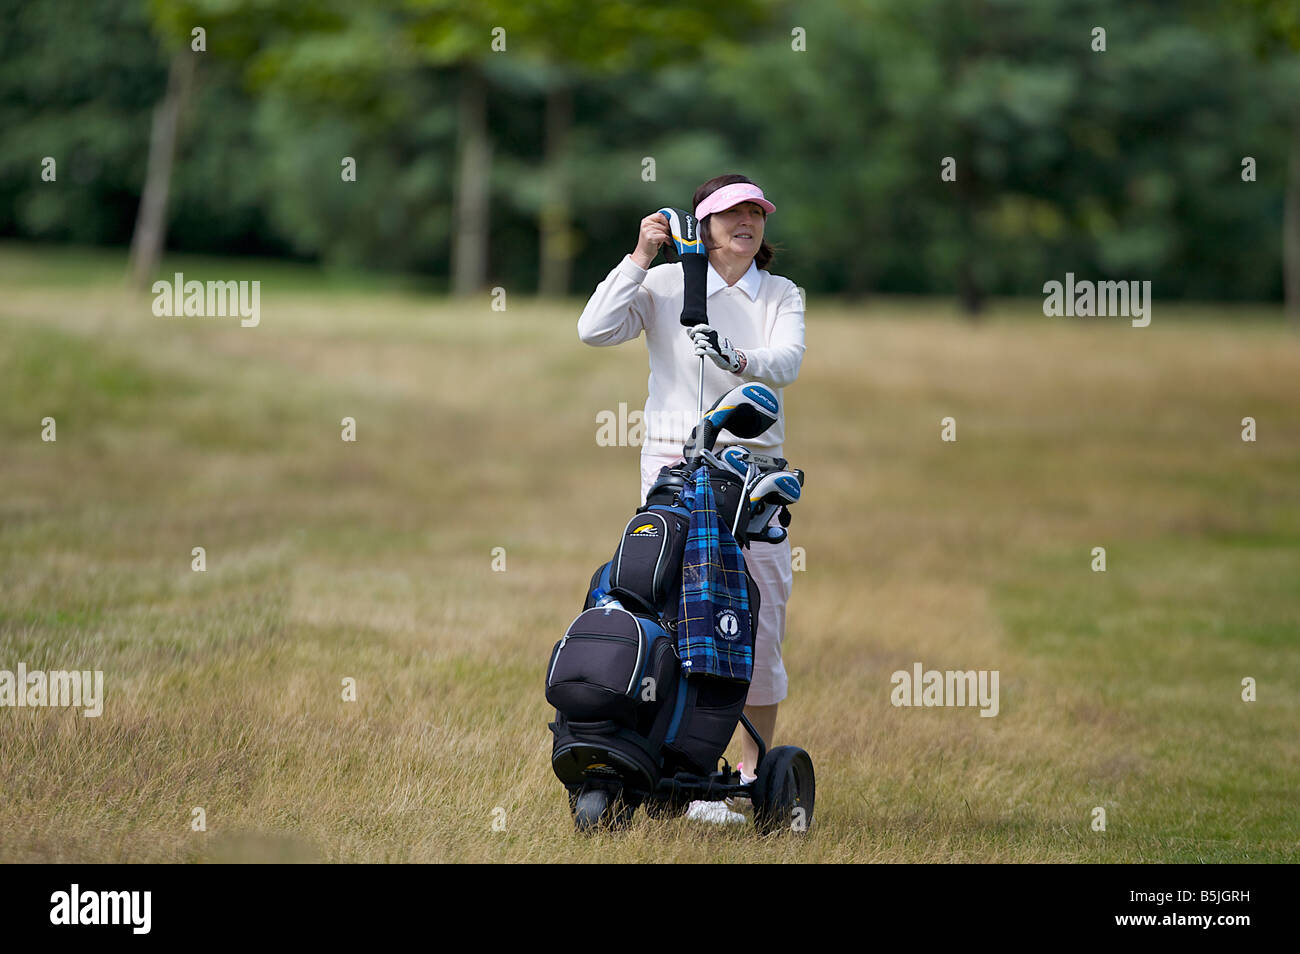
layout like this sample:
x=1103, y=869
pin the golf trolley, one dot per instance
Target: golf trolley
x=633, y=727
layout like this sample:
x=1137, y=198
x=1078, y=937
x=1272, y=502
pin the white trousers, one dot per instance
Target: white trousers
x=769, y=564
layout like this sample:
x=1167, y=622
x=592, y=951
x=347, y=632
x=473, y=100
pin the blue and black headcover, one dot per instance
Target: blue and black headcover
x=688, y=248
x=747, y=410
x=714, y=634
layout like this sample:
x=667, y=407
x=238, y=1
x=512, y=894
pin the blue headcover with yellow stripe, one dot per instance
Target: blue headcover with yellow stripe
x=714, y=636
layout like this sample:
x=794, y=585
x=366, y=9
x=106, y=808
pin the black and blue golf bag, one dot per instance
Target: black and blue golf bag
x=626, y=716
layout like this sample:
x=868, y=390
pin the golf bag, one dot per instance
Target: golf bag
x=626, y=715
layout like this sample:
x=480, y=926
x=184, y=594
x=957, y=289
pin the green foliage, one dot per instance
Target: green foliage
x=617, y=36
x=1119, y=164
x=396, y=215
x=77, y=83
x=1276, y=23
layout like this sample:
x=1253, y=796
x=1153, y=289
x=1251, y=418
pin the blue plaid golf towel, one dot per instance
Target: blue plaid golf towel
x=713, y=632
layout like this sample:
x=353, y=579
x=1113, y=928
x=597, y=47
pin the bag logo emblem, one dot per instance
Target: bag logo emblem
x=728, y=624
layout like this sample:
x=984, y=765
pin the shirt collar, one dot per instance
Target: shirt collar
x=748, y=282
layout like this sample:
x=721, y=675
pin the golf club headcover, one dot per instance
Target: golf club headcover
x=700, y=440
x=765, y=463
x=747, y=410
x=688, y=247
x=695, y=284
x=685, y=232
x=758, y=531
x=780, y=487
x=737, y=458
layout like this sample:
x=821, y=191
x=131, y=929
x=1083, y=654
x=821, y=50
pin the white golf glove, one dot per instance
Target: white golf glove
x=722, y=353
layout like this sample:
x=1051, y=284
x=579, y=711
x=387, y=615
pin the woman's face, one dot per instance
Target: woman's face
x=738, y=231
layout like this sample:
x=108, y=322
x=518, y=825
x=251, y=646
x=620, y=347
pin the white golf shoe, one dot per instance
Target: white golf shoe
x=715, y=813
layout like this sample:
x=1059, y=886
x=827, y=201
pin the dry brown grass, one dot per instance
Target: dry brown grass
x=476, y=429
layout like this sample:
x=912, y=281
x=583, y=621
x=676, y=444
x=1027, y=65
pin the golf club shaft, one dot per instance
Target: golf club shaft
x=699, y=404
x=695, y=306
x=744, y=492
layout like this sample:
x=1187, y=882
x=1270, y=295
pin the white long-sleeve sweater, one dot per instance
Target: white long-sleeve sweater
x=762, y=314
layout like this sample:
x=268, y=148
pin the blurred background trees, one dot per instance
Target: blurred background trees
x=519, y=144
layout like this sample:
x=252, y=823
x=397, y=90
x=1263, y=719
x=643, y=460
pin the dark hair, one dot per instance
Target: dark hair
x=763, y=257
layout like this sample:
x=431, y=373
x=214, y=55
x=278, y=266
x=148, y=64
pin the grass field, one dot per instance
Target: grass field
x=476, y=429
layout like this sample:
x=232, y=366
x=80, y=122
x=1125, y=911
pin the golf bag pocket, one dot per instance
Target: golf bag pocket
x=708, y=711
x=599, y=668
x=648, y=561
x=658, y=685
x=726, y=498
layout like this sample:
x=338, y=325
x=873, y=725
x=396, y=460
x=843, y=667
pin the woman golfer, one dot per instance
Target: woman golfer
x=755, y=333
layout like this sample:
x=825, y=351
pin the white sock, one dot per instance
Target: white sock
x=745, y=779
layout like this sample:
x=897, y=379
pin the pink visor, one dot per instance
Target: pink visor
x=730, y=195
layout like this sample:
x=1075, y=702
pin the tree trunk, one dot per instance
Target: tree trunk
x=556, y=235
x=469, y=248
x=969, y=293
x=151, y=220
x=1291, y=227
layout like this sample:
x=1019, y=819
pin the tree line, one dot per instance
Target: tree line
x=962, y=147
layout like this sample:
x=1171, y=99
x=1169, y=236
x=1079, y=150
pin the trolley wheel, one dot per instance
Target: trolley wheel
x=785, y=790
x=598, y=807
x=589, y=808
